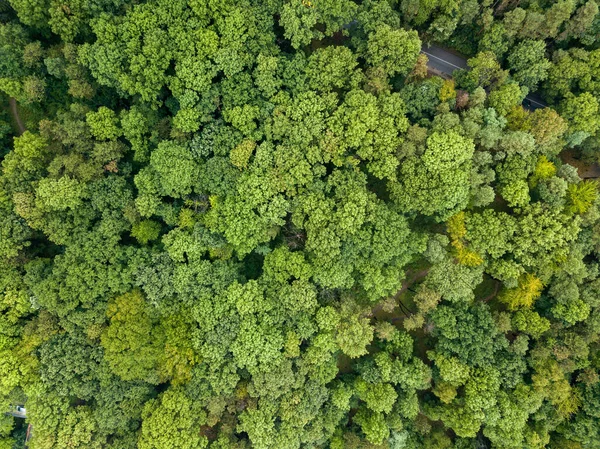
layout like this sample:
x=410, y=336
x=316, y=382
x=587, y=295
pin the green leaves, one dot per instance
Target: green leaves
x=60, y=194
x=582, y=113
x=581, y=196
x=394, y=50
x=528, y=63
x=132, y=342
x=176, y=170
x=172, y=420
x=104, y=124
x=444, y=167
x=315, y=241
x=353, y=335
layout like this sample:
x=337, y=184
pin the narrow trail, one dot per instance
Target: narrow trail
x=417, y=276
x=15, y=113
x=493, y=294
x=405, y=286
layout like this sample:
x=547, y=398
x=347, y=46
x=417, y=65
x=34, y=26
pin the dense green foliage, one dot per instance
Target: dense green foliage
x=235, y=224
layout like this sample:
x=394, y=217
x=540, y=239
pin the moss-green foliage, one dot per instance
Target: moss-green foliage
x=265, y=224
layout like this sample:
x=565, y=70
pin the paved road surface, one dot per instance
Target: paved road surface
x=447, y=62
x=444, y=61
x=17, y=412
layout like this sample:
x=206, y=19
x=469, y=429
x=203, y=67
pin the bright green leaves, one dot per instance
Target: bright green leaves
x=282, y=192
x=332, y=68
x=134, y=52
x=258, y=344
x=172, y=421
x=530, y=322
x=241, y=154
x=266, y=75
x=145, y=231
x=393, y=50
x=137, y=66
x=581, y=196
x=542, y=234
x=26, y=161
x=373, y=425
x=60, y=194
x=132, y=341
x=506, y=97
x=379, y=397
x=446, y=150
x=516, y=193
x=372, y=127
x=244, y=226
x=451, y=370
x=176, y=170
x=172, y=171
x=490, y=232
x=281, y=264
x=353, y=335
x=351, y=232
x=528, y=290
x=437, y=182
x=485, y=71
x=243, y=118
x=581, y=112
x=104, y=124
x=300, y=18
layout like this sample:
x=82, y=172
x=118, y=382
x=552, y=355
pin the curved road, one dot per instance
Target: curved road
x=15, y=113
x=446, y=62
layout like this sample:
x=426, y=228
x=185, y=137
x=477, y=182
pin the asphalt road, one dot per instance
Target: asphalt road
x=446, y=62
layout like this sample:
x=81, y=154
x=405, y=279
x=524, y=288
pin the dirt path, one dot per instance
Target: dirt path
x=494, y=293
x=15, y=113
x=417, y=276
x=399, y=313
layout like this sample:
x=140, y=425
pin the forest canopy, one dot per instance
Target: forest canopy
x=277, y=224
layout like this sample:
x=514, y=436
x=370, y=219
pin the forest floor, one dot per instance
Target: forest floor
x=585, y=170
x=14, y=112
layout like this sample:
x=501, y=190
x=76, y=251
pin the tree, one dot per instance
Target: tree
x=354, y=333
x=581, y=196
x=555, y=16
x=506, y=97
x=266, y=224
x=172, y=421
x=580, y=22
x=443, y=167
x=529, y=289
x=394, y=50
x=547, y=127
x=528, y=64
x=485, y=71
x=582, y=114
x=468, y=333
x=132, y=342
x=104, y=124
x=176, y=170
x=330, y=68
x=299, y=19
x=373, y=425
x=70, y=366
